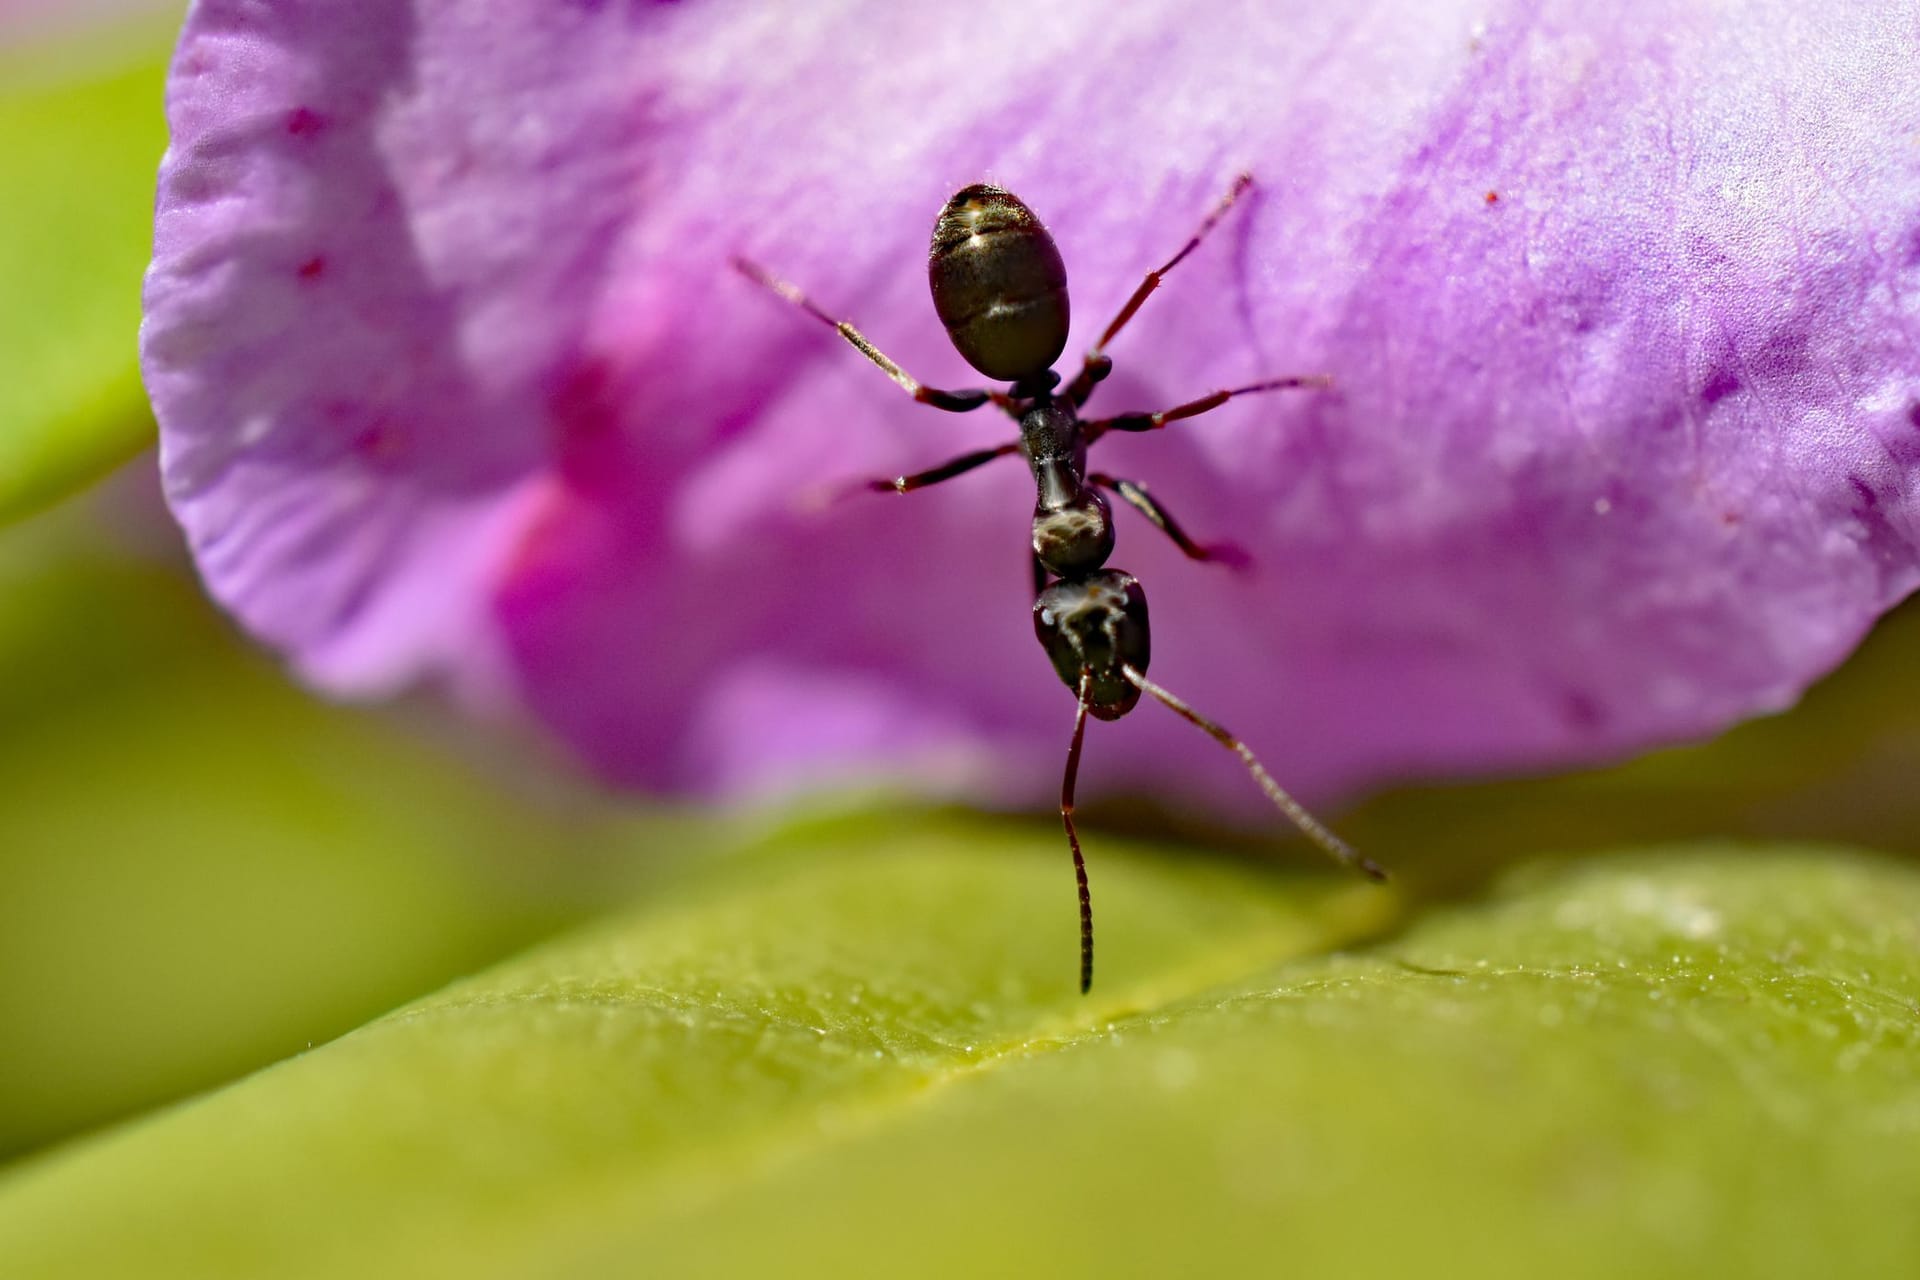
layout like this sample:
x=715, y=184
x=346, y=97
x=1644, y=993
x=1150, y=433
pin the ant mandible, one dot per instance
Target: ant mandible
x=1000, y=289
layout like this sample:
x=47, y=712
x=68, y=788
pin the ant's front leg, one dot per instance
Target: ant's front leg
x=1136, y=496
x=952, y=401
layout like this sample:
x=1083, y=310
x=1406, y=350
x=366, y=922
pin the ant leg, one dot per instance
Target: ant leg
x=945, y=471
x=1309, y=826
x=1097, y=427
x=815, y=499
x=952, y=401
x=1098, y=364
x=1073, y=836
x=1140, y=500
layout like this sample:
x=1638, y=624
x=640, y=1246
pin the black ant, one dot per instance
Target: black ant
x=1001, y=291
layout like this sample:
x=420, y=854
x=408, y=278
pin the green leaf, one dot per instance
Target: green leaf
x=861, y=1051
x=203, y=869
x=82, y=144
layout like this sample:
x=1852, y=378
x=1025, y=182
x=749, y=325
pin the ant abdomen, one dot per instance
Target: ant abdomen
x=999, y=284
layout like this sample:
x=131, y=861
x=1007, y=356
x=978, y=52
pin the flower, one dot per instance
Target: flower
x=455, y=383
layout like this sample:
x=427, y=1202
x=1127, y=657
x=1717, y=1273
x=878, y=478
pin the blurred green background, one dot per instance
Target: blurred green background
x=204, y=870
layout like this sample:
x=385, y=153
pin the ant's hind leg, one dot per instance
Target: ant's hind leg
x=952, y=401
x=1137, y=497
x=1098, y=365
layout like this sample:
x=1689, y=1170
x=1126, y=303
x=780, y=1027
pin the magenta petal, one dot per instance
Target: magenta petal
x=455, y=382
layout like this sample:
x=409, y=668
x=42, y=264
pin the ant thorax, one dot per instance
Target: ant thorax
x=1072, y=523
x=1050, y=429
x=1073, y=536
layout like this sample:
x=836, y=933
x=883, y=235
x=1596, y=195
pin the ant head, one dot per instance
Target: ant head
x=998, y=284
x=1096, y=624
x=1074, y=537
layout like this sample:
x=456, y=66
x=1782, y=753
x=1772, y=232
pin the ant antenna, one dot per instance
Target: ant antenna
x=1073, y=836
x=1309, y=826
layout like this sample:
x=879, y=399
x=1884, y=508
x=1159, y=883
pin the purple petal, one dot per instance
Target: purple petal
x=455, y=382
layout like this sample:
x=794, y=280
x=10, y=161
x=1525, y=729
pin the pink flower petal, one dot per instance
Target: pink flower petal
x=455, y=381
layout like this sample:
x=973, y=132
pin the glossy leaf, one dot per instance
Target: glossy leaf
x=861, y=1052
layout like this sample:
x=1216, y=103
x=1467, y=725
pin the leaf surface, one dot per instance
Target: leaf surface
x=859, y=1049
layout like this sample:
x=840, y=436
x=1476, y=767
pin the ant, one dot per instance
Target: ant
x=1000, y=288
